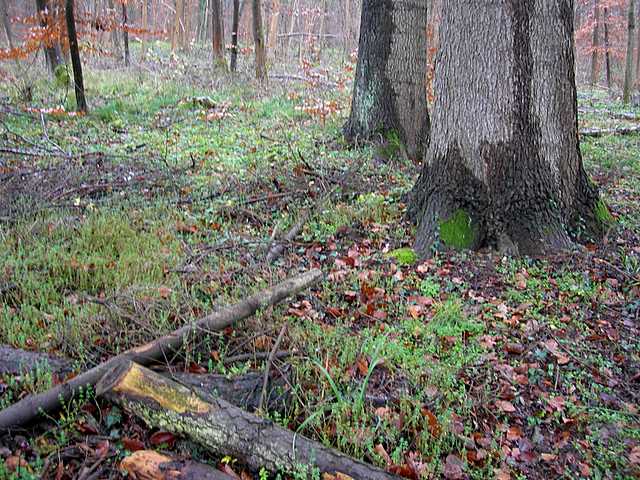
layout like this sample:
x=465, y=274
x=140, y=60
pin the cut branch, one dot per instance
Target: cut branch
x=222, y=428
x=602, y=132
x=27, y=409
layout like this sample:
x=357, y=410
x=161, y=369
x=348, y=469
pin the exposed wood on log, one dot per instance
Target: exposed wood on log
x=151, y=465
x=15, y=361
x=222, y=428
x=601, y=132
x=27, y=409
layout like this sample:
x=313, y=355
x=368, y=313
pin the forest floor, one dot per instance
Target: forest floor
x=161, y=203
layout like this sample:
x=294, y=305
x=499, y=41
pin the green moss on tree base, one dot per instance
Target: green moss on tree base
x=404, y=256
x=457, y=231
x=602, y=213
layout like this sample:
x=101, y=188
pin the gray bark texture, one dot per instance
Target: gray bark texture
x=390, y=88
x=504, y=168
x=628, y=71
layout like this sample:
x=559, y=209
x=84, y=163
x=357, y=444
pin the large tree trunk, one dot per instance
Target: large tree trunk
x=74, y=51
x=258, y=40
x=223, y=429
x=628, y=71
x=235, y=25
x=504, y=167
x=145, y=27
x=595, y=43
x=390, y=90
x=217, y=34
x=52, y=51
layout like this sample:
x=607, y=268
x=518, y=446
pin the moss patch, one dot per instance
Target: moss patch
x=404, y=256
x=457, y=231
x=602, y=213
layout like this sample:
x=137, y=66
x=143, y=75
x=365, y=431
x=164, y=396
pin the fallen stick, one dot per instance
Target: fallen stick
x=151, y=465
x=601, y=132
x=277, y=249
x=222, y=428
x=27, y=409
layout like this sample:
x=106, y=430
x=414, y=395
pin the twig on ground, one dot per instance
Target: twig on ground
x=267, y=367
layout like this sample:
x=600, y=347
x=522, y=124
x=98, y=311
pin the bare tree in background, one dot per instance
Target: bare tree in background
x=75, y=57
x=258, y=40
x=628, y=71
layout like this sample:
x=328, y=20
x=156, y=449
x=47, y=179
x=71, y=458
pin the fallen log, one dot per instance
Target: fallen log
x=244, y=391
x=27, y=409
x=151, y=465
x=15, y=361
x=222, y=428
x=601, y=132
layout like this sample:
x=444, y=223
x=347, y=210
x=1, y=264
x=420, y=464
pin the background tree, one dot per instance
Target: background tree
x=6, y=22
x=628, y=71
x=75, y=57
x=595, y=44
x=504, y=167
x=258, y=40
x=125, y=33
x=51, y=46
x=389, y=93
x=217, y=34
x=235, y=25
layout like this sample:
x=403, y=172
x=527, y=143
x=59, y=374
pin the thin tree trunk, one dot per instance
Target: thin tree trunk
x=115, y=40
x=628, y=71
x=217, y=34
x=638, y=54
x=177, y=24
x=52, y=52
x=273, y=28
x=504, y=168
x=6, y=22
x=389, y=96
x=75, y=57
x=234, y=35
x=125, y=34
x=292, y=25
x=607, y=53
x=595, y=44
x=258, y=40
x=145, y=27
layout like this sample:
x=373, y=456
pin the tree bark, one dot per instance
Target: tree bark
x=504, y=168
x=6, y=22
x=27, y=409
x=628, y=71
x=273, y=27
x=235, y=25
x=145, y=27
x=81, y=101
x=595, y=43
x=258, y=40
x=125, y=34
x=51, y=51
x=607, y=53
x=390, y=89
x=222, y=428
x=217, y=34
